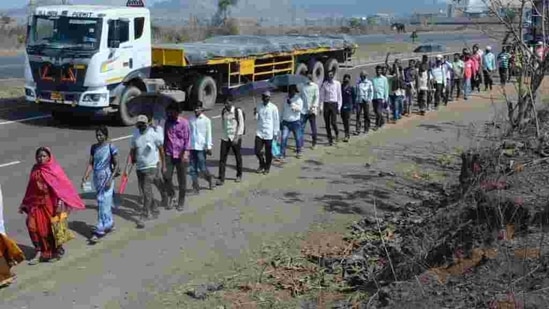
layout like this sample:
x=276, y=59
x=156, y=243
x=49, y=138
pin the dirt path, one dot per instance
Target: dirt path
x=147, y=271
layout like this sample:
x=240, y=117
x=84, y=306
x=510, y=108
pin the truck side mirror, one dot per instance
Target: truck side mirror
x=114, y=44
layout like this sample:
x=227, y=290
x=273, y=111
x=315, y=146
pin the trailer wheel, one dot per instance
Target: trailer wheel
x=205, y=90
x=317, y=68
x=331, y=65
x=125, y=117
x=301, y=69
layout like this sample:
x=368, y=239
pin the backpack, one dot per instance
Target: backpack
x=237, y=109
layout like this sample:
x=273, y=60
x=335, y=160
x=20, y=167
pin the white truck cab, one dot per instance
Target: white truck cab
x=79, y=58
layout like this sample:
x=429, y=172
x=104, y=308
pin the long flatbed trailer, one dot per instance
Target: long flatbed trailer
x=97, y=59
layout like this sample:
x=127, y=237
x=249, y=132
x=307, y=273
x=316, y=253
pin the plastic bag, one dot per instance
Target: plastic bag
x=275, y=149
x=60, y=229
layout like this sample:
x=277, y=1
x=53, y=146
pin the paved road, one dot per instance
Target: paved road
x=12, y=67
x=22, y=130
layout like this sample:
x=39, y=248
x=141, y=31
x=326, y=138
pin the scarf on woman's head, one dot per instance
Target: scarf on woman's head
x=54, y=175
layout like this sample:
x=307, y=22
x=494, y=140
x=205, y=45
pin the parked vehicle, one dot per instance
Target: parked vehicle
x=430, y=48
x=87, y=59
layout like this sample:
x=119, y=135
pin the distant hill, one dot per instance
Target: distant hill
x=277, y=11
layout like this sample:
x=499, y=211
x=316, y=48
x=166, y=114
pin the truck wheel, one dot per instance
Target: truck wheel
x=125, y=117
x=205, y=90
x=301, y=69
x=331, y=65
x=318, y=72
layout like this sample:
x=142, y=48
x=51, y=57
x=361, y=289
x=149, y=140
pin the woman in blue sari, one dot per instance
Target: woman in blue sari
x=104, y=163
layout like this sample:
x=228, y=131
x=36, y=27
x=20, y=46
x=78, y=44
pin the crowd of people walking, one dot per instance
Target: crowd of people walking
x=182, y=145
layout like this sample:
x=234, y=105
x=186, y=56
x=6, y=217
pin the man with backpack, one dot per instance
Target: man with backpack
x=233, y=124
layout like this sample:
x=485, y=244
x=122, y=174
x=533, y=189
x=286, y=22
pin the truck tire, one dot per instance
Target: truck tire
x=301, y=69
x=205, y=90
x=123, y=115
x=318, y=72
x=331, y=65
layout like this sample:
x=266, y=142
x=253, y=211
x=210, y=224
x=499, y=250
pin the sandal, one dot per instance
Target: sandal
x=35, y=260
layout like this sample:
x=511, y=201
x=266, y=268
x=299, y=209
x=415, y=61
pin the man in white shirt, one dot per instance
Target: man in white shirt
x=201, y=146
x=291, y=121
x=364, y=95
x=146, y=152
x=232, y=120
x=330, y=95
x=310, y=94
x=438, y=76
x=268, y=128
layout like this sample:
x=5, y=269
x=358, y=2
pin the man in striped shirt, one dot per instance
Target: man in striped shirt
x=503, y=64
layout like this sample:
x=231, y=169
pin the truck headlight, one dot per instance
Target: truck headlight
x=29, y=92
x=94, y=97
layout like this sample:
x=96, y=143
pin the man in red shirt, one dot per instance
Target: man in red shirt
x=477, y=58
x=468, y=74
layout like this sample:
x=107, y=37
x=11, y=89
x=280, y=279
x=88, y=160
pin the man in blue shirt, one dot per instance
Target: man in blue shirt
x=380, y=96
x=488, y=67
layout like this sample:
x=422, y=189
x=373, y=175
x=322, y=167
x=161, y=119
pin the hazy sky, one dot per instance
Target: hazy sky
x=371, y=6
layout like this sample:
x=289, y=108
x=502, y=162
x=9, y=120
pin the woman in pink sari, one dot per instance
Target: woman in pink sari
x=49, y=192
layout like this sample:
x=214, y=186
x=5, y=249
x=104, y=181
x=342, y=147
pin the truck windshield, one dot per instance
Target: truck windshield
x=65, y=32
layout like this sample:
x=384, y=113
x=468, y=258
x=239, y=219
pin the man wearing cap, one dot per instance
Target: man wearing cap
x=438, y=76
x=201, y=146
x=268, y=128
x=488, y=67
x=310, y=94
x=330, y=94
x=146, y=152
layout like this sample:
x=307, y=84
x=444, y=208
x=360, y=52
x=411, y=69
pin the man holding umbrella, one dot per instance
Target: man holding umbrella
x=268, y=128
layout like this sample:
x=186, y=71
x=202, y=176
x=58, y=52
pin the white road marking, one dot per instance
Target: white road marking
x=25, y=119
x=121, y=138
x=216, y=117
x=9, y=164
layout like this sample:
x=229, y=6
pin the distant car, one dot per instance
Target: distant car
x=430, y=48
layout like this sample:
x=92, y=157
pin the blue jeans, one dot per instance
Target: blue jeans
x=311, y=119
x=295, y=128
x=466, y=88
x=397, y=105
x=198, y=165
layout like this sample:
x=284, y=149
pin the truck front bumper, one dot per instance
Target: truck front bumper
x=89, y=100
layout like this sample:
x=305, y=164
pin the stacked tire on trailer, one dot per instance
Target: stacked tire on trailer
x=320, y=70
